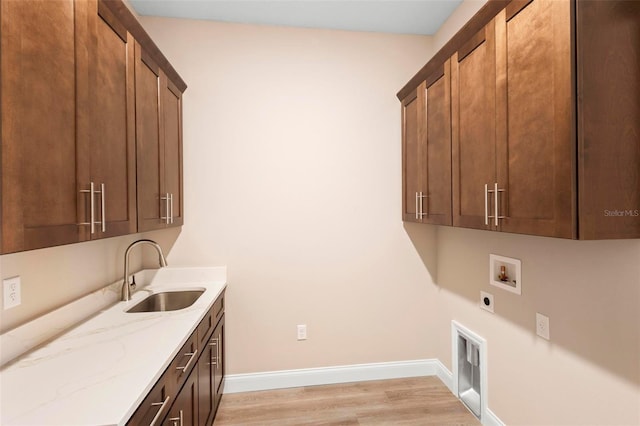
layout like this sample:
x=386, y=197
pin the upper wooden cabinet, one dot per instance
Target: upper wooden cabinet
x=39, y=181
x=105, y=121
x=159, y=146
x=535, y=147
x=172, y=130
x=150, y=149
x=412, y=162
x=530, y=154
x=512, y=147
x=68, y=122
x=608, y=84
x=426, y=150
x=473, y=108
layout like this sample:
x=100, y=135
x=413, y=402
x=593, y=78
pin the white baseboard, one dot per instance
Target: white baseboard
x=444, y=375
x=235, y=383
x=329, y=375
x=491, y=419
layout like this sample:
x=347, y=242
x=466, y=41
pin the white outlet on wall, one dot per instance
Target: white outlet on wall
x=302, y=332
x=12, y=296
x=542, y=326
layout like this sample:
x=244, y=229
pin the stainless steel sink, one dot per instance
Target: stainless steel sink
x=167, y=301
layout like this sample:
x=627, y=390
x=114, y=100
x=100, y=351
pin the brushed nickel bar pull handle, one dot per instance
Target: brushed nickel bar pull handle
x=495, y=203
x=168, y=201
x=214, y=342
x=91, y=222
x=417, y=208
x=166, y=208
x=496, y=191
x=422, y=213
x=218, y=339
x=175, y=420
x=193, y=356
x=171, y=204
x=486, y=204
x=103, y=218
x=92, y=204
x=162, y=405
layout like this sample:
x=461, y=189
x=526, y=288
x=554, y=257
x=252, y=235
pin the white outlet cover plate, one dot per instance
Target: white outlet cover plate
x=542, y=326
x=484, y=306
x=11, y=296
x=302, y=332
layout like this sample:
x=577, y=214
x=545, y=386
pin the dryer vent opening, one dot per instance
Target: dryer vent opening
x=469, y=374
x=469, y=369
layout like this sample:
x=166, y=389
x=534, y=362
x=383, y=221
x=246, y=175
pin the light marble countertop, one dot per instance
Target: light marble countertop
x=98, y=372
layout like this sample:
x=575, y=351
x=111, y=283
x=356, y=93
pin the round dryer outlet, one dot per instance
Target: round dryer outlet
x=486, y=301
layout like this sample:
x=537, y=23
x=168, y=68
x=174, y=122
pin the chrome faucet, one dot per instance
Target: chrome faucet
x=128, y=287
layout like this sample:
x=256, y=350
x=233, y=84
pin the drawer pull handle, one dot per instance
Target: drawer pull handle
x=162, y=405
x=175, y=420
x=193, y=356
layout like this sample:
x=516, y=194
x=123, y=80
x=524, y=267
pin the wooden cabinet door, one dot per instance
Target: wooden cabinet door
x=608, y=42
x=39, y=186
x=149, y=143
x=437, y=148
x=172, y=128
x=218, y=336
x=206, y=391
x=106, y=118
x=413, y=108
x=473, y=128
x=184, y=410
x=535, y=141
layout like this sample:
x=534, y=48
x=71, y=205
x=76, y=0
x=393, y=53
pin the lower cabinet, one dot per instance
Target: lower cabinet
x=184, y=411
x=210, y=373
x=189, y=391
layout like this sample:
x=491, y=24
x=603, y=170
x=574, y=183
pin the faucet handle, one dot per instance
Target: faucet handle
x=132, y=284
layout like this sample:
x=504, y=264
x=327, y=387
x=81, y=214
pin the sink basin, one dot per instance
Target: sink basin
x=167, y=301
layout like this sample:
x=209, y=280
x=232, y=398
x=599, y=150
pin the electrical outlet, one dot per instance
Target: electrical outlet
x=302, y=332
x=542, y=326
x=486, y=301
x=12, y=296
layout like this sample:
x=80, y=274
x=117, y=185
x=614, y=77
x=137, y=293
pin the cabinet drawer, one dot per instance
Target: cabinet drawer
x=183, y=363
x=206, y=326
x=155, y=406
x=218, y=308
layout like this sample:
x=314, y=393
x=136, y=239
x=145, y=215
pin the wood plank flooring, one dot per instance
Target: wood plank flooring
x=412, y=401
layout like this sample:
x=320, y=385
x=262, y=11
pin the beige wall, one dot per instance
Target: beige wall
x=589, y=372
x=53, y=277
x=292, y=179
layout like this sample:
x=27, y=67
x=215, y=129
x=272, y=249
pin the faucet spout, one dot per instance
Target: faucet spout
x=126, y=286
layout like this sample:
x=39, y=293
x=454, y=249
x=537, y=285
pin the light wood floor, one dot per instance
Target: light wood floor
x=413, y=401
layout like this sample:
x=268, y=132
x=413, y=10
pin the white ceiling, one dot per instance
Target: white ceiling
x=388, y=16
